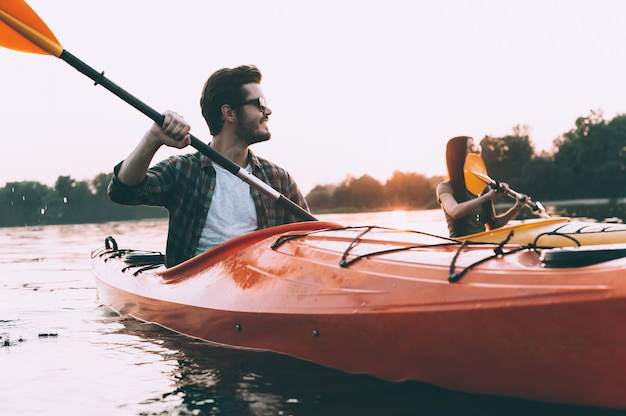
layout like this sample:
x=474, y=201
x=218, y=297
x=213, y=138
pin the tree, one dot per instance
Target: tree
x=321, y=197
x=366, y=193
x=409, y=190
x=590, y=159
x=23, y=203
x=100, y=184
x=505, y=157
x=537, y=179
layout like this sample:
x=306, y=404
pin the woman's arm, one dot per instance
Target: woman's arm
x=501, y=220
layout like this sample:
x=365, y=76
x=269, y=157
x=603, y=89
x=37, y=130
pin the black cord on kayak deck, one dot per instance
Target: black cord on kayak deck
x=499, y=249
x=285, y=238
x=498, y=252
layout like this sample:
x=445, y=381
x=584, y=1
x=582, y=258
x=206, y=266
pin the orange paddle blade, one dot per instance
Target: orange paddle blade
x=476, y=178
x=21, y=29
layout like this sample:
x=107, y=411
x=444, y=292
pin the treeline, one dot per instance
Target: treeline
x=76, y=202
x=68, y=202
x=589, y=161
x=404, y=190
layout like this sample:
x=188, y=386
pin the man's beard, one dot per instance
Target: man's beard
x=248, y=130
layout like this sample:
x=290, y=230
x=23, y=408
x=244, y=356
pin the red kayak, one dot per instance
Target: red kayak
x=541, y=324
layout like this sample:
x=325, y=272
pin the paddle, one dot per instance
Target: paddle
x=23, y=30
x=476, y=179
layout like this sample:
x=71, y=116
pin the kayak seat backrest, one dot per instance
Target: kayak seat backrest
x=144, y=259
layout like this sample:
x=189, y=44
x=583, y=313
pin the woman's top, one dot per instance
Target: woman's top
x=470, y=224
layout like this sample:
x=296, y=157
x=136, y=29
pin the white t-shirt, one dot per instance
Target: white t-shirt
x=232, y=212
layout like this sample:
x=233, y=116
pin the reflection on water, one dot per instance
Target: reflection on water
x=597, y=212
x=215, y=380
x=61, y=353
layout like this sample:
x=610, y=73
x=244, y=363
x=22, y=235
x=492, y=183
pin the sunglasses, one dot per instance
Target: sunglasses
x=259, y=102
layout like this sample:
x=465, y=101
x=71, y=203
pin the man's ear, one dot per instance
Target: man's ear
x=228, y=113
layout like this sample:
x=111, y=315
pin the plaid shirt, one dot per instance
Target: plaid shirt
x=184, y=186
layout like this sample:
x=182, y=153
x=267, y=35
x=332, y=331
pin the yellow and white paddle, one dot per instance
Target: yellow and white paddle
x=476, y=180
x=23, y=30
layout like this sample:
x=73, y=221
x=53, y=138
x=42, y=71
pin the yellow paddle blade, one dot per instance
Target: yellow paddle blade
x=475, y=174
x=21, y=29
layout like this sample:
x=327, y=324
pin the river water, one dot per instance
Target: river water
x=62, y=353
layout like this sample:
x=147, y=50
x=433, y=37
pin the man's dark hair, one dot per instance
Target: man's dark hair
x=224, y=86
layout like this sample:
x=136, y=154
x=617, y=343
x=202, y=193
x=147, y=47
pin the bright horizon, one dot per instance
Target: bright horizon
x=356, y=87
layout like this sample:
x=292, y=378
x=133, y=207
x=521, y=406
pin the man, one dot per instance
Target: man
x=208, y=205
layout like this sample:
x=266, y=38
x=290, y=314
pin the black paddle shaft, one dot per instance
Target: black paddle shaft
x=100, y=79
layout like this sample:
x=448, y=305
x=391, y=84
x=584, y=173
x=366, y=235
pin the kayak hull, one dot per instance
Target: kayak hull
x=508, y=326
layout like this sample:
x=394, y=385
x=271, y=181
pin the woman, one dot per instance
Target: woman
x=467, y=213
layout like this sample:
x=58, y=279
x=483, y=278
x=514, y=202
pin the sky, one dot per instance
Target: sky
x=356, y=86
